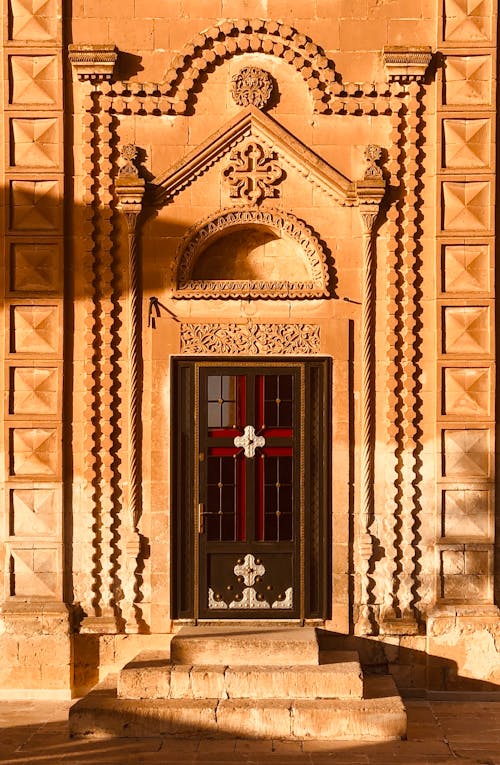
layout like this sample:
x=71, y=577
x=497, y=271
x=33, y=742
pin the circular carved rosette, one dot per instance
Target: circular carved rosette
x=252, y=87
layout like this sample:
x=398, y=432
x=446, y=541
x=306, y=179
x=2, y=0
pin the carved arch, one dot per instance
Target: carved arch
x=282, y=225
x=231, y=38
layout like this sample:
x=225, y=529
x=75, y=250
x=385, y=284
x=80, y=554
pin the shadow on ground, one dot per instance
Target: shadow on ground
x=439, y=733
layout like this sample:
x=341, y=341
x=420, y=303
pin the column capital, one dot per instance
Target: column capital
x=129, y=187
x=94, y=63
x=404, y=64
x=369, y=192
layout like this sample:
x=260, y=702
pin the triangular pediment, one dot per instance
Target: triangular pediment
x=251, y=122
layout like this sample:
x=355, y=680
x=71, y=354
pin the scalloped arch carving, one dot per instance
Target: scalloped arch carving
x=283, y=226
x=232, y=38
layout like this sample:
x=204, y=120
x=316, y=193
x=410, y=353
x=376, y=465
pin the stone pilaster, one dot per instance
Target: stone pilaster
x=370, y=193
x=130, y=191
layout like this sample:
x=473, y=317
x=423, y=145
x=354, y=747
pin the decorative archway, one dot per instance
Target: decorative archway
x=280, y=226
x=232, y=38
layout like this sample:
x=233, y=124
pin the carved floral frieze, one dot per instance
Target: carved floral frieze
x=250, y=338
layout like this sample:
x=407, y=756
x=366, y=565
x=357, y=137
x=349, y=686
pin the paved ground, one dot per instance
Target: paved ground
x=439, y=733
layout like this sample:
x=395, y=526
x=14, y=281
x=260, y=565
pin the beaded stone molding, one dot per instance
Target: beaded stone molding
x=284, y=225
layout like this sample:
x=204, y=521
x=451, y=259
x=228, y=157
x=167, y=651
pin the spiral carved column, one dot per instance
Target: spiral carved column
x=370, y=193
x=130, y=191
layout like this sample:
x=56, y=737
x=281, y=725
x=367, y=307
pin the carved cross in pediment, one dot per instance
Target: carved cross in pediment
x=252, y=173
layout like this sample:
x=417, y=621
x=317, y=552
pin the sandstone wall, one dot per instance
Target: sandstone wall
x=86, y=558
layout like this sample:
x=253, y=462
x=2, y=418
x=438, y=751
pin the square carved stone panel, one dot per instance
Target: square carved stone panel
x=34, y=142
x=466, y=453
x=467, y=80
x=466, y=391
x=34, y=572
x=33, y=80
x=466, y=513
x=34, y=512
x=34, y=329
x=466, y=143
x=33, y=391
x=466, y=330
x=35, y=267
x=466, y=268
x=33, y=20
x=467, y=20
x=465, y=574
x=466, y=205
x=35, y=205
x=33, y=452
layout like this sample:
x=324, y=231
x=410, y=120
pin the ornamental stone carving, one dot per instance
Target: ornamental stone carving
x=283, y=225
x=250, y=338
x=252, y=86
x=253, y=173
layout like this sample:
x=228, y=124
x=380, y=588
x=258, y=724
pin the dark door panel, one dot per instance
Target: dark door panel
x=252, y=491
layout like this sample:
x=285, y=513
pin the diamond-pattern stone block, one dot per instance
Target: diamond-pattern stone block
x=466, y=205
x=33, y=19
x=467, y=391
x=34, y=329
x=466, y=143
x=35, y=205
x=465, y=574
x=467, y=20
x=35, y=142
x=33, y=80
x=466, y=453
x=34, y=572
x=34, y=267
x=34, y=390
x=33, y=512
x=467, y=80
x=466, y=268
x=465, y=513
x=33, y=452
x=466, y=329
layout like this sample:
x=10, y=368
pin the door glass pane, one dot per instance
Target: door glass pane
x=275, y=401
x=274, y=497
x=223, y=401
x=224, y=512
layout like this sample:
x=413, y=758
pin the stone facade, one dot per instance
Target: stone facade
x=315, y=181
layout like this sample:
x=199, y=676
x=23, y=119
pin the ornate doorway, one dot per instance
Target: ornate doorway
x=251, y=489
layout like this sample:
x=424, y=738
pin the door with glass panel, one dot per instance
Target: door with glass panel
x=253, y=505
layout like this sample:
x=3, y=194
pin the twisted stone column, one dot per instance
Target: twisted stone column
x=130, y=191
x=370, y=193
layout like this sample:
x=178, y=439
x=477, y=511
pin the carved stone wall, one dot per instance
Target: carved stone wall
x=32, y=610
x=237, y=128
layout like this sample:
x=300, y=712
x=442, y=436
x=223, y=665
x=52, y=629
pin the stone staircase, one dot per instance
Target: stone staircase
x=243, y=682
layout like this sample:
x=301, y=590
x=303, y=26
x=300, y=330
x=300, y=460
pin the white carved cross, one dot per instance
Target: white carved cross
x=249, y=569
x=249, y=441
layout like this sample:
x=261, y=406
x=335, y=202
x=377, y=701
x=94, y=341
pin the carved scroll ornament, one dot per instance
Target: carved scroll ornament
x=250, y=338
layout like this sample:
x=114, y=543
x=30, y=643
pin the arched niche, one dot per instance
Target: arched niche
x=249, y=252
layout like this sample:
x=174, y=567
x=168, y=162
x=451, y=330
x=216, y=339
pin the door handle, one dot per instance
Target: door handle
x=201, y=518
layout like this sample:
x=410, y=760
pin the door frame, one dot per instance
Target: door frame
x=315, y=483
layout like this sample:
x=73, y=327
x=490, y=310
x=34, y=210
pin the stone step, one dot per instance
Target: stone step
x=379, y=716
x=152, y=676
x=240, y=645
